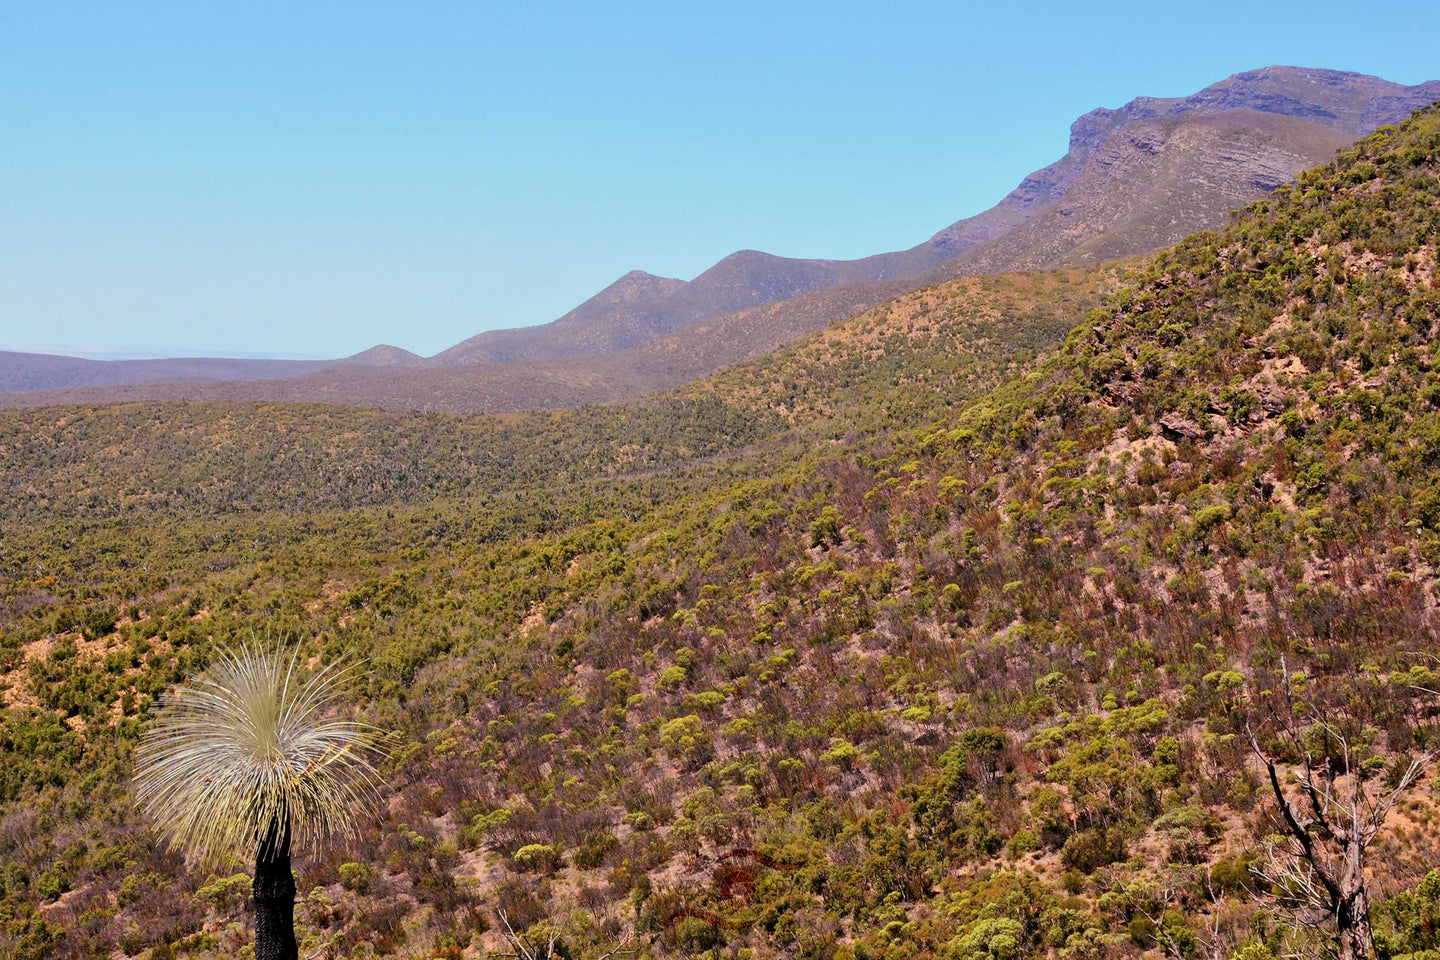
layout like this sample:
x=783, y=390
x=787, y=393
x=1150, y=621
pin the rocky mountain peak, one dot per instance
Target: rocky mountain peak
x=1353, y=103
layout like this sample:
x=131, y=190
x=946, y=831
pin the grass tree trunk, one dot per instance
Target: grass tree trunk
x=274, y=891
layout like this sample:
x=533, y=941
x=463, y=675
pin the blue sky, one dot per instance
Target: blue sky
x=310, y=179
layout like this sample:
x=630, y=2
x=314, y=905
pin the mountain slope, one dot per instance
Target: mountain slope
x=1154, y=181
x=1145, y=186
x=591, y=326
x=381, y=355
x=210, y=458
x=555, y=384
x=1348, y=104
x=1352, y=103
x=972, y=690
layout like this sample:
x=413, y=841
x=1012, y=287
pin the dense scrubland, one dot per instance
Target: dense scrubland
x=959, y=630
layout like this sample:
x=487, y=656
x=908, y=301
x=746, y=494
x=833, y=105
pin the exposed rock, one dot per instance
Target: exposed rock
x=1175, y=428
x=1273, y=400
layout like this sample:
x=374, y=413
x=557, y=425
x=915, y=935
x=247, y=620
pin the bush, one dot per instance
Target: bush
x=52, y=883
x=1231, y=877
x=99, y=621
x=1090, y=850
x=842, y=753
x=593, y=849
x=670, y=678
x=990, y=939
x=685, y=735
x=1023, y=842
x=357, y=877
x=537, y=858
x=226, y=893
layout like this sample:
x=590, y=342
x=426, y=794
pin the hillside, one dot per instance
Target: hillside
x=1155, y=180
x=1134, y=180
x=381, y=355
x=142, y=461
x=598, y=325
x=743, y=279
x=957, y=665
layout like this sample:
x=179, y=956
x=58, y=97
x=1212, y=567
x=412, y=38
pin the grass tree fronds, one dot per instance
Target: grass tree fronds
x=250, y=743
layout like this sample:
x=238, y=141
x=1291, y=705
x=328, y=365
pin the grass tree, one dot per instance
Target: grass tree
x=248, y=757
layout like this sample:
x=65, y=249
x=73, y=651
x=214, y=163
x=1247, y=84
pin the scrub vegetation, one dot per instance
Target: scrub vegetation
x=1016, y=617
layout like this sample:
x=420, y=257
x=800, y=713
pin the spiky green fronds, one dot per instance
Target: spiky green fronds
x=248, y=742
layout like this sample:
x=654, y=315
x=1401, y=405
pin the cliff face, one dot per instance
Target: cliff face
x=1154, y=181
x=1351, y=104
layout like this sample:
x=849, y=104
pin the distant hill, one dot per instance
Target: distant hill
x=742, y=280
x=41, y=371
x=591, y=326
x=554, y=384
x=383, y=355
x=1135, y=179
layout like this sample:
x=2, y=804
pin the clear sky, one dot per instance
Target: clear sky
x=310, y=179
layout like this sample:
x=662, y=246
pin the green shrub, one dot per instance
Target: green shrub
x=537, y=858
x=671, y=677
x=842, y=753
x=995, y=938
x=593, y=849
x=685, y=735
x=1090, y=850
x=357, y=877
x=228, y=893
x=53, y=882
x=1023, y=842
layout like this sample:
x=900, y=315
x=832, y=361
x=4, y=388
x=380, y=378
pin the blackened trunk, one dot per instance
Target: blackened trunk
x=274, y=890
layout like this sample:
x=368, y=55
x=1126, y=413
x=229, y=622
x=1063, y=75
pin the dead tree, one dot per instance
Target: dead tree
x=1327, y=823
x=1153, y=908
x=521, y=947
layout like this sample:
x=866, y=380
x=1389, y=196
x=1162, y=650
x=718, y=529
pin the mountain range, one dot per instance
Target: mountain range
x=1079, y=614
x=1135, y=179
